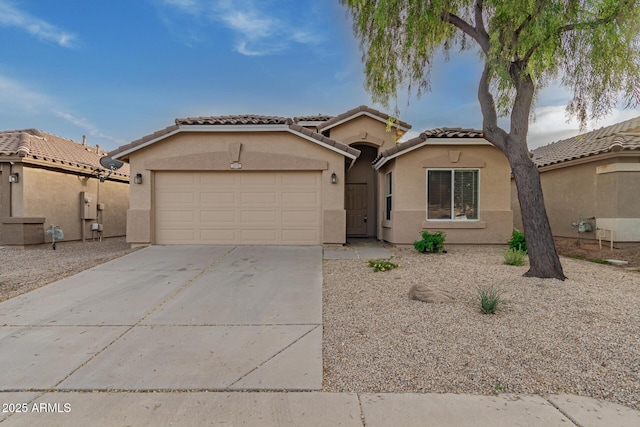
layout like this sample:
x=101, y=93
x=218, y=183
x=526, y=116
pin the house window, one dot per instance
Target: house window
x=388, y=196
x=452, y=194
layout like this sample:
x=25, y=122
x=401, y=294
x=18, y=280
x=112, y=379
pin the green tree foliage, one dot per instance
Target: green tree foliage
x=591, y=47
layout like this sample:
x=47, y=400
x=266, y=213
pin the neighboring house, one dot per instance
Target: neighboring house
x=48, y=180
x=313, y=180
x=592, y=178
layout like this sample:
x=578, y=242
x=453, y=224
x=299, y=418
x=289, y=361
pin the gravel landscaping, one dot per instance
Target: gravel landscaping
x=580, y=336
x=22, y=270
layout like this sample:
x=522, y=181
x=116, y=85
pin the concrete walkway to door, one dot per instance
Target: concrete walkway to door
x=172, y=318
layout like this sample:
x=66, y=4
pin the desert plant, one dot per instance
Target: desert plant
x=381, y=264
x=517, y=241
x=514, y=256
x=489, y=299
x=431, y=242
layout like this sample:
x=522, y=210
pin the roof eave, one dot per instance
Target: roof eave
x=363, y=113
x=351, y=156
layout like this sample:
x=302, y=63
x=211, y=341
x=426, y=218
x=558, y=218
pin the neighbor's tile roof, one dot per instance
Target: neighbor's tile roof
x=358, y=110
x=621, y=136
x=53, y=149
x=433, y=133
x=247, y=119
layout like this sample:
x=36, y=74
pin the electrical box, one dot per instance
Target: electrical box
x=88, y=206
x=100, y=206
x=96, y=227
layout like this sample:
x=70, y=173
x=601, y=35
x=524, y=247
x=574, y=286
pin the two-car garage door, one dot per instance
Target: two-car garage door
x=237, y=207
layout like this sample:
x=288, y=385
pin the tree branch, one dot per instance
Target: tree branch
x=567, y=28
x=493, y=133
x=525, y=91
x=465, y=27
x=480, y=28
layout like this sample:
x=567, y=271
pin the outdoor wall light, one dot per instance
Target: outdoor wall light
x=138, y=178
x=14, y=178
x=334, y=178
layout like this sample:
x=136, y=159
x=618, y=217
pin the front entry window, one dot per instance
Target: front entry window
x=452, y=194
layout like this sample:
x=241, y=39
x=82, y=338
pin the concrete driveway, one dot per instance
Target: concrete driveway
x=172, y=318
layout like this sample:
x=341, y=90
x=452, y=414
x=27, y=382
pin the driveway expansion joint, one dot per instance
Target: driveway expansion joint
x=130, y=328
x=282, y=350
x=559, y=409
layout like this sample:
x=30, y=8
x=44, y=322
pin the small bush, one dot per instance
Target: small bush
x=431, y=242
x=381, y=264
x=514, y=256
x=489, y=299
x=518, y=241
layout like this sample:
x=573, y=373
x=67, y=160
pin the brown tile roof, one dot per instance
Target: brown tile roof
x=429, y=134
x=317, y=118
x=358, y=110
x=247, y=119
x=325, y=140
x=55, y=150
x=621, y=136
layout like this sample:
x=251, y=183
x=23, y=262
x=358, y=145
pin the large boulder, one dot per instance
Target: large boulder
x=426, y=293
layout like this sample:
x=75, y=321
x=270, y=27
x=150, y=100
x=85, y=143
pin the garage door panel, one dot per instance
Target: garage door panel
x=258, y=236
x=299, y=198
x=178, y=198
x=305, y=217
x=300, y=237
x=176, y=179
x=218, y=198
x=262, y=179
x=258, y=198
x=214, y=217
x=218, y=236
x=269, y=217
x=238, y=207
x=176, y=217
x=179, y=236
x=301, y=179
x=219, y=179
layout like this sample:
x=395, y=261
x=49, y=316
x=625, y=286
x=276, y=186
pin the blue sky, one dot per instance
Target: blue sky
x=120, y=69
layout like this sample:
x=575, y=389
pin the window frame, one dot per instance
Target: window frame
x=388, y=196
x=452, y=217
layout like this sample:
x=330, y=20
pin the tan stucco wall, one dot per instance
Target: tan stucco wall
x=364, y=129
x=408, y=216
x=55, y=196
x=212, y=151
x=586, y=188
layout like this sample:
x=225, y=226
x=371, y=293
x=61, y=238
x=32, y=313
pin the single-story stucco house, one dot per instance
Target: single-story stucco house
x=313, y=180
x=593, y=178
x=48, y=180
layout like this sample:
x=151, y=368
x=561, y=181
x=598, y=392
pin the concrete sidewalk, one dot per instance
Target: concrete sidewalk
x=311, y=409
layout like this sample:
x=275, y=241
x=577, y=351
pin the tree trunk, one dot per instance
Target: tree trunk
x=543, y=257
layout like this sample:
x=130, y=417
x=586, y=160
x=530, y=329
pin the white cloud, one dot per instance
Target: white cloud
x=248, y=25
x=11, y=16
x=16, y=98
x=257, y=30
x=551, y=124
x=87, y=126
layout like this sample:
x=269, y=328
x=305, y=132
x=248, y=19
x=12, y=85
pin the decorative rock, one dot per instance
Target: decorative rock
x=426, y=293
x=617, y=262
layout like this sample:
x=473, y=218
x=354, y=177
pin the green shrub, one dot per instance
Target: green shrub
x=431, y=242
x=514, y=256
x=518, y=241
x=381, y=264
x=489, y=299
